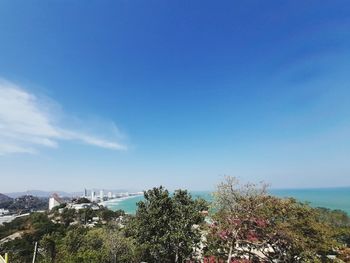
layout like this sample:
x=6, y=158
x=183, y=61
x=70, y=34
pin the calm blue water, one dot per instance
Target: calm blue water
x=333, y=198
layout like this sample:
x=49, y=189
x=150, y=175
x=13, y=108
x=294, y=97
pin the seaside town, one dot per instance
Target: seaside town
x=27, y=204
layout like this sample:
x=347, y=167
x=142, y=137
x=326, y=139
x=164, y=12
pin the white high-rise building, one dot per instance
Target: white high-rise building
x=101, y=195
x=110, y=195
x=93, y=196
x=54, y=201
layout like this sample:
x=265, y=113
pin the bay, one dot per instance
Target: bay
x=332, y=198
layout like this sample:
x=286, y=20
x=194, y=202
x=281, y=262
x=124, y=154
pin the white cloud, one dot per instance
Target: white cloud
x=26, y=124
x=71, y=135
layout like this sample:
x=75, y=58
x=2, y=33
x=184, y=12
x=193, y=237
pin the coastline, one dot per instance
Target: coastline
x=331, y=198
x=116, y=201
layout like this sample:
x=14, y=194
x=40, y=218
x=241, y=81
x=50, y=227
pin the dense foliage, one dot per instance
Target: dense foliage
x=245, y=224
x=165, y=225
x=249, y=223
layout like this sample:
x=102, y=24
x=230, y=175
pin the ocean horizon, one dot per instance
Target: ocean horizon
x=335, y=198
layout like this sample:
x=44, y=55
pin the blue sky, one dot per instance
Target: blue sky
x=134, y=94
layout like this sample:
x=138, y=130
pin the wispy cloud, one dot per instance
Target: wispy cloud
x=26, y=124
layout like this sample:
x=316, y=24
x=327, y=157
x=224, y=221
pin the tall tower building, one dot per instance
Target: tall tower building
x=101, y=195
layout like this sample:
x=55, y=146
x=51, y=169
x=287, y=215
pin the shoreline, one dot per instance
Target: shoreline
x=327, y=198
x=118, y=200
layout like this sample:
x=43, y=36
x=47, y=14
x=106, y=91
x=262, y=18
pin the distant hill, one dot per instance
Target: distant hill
x=39, y=193
x=25, y=204
x=4, y=198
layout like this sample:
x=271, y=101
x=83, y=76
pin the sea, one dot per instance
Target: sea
x=332, y=198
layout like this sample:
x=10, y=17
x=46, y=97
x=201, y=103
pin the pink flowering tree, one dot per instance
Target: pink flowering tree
x=248, y=224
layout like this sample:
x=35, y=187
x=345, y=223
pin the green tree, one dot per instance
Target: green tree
x=48, y=248
x=85, y=215
x=108, y=215
x=67, y=216
x=83, y=245
x=119, y=247
x=165, y=225
x=31, y=230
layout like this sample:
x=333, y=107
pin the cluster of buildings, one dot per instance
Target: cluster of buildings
x=101, y=196
x=4, y=216
x=95, y=197
x=93, y=201
x=4, y=212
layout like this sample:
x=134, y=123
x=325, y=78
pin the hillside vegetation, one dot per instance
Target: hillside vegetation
x=23, y=204
x=243, y=224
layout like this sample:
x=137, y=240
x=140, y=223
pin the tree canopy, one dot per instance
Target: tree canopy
x=165, y=225
x=250, y=223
